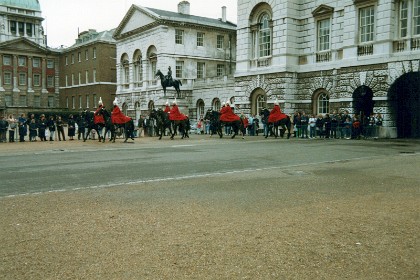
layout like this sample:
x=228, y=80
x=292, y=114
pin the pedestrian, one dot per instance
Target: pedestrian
x=327, y=125
x=60, y=128
x=3, y=128
x=81, y=125
x=12, y=127
x=42, y=126
x=71, y=127
x=334, y=124
x=51, y=127
x=140, y=125
x=23, y=128
x=32, y=130
x=319, y=124
x=312, y=128
x=304, y=125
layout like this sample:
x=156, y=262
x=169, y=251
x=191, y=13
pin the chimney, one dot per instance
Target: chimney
x=224, y=13
x=184, y=7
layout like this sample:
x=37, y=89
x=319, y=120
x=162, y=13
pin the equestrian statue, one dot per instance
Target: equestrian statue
x=168, y=81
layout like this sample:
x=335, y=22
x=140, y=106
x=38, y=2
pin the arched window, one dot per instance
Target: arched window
x=323, y=103
x=200, y=109
x=258, y=101
x=216, y=104
x=125, y=71
x=125, y=108
x=151, y=105
x=138, y=69
x=264, y=36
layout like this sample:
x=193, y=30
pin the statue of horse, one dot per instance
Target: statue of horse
x=284, y=123
x=90, y=125
x=166, y=83
x=162, y=121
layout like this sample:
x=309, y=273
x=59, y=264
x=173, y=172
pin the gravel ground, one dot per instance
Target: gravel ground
x=341, y=220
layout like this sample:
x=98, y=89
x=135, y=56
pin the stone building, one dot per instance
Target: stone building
x=201, y=52
x=325, y=55
x=88, y=71
x=29, y=70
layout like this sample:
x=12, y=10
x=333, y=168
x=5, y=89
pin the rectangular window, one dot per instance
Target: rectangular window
x=403, y=18
x=94, y=75
x=67, y=81
x=324, y=35
x=7, y=60
x=50, y=81
x=22, y=61
x=87, y=76
x=36, y=62
x=67, y=102
x=50, y=101
x=200, y=69
x=72, y=79
x=29, y=29
x=80, y=101
x=80, y=78
x=22, y=100
x=220, y=70
x=13, y=27
x=79, y=57
x=94, y=53
x=366, y=24
x=87, y=101
x=72, y=59
x=50, y=63
x=22, y=79
x=73, y=102
x=94, y=100
x=179, y=67
x=200, y=39
x=9, y=100
x=179, y=36
x=21, y=27
x=67, y=60
x=220, y=40
x=416, y=17
x=87, y=54
x=37, y=101
x=7, y=80
x=37, y=80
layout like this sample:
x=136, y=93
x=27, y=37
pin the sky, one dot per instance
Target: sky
x=64, y=18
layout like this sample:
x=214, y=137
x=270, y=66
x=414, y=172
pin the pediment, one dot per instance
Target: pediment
x=322, y=10
x=136, y=18
x=23, y=45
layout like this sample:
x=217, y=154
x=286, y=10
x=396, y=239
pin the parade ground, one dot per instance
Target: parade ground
x=210, y=208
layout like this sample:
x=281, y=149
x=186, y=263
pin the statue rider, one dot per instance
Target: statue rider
x=169, y=76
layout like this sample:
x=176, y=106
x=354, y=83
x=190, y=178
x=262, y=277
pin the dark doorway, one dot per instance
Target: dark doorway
x=404, y=96
x=363, y=102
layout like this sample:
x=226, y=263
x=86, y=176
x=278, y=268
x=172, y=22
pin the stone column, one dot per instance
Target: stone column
x=30, y=90
x=44, y=76
x=15, y=73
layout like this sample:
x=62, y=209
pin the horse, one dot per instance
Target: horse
x=182, y=126
x=162, y=121
x=128, y=127
x=284, y=123
x=168, y=83
x=217, y=124
x=90, y=125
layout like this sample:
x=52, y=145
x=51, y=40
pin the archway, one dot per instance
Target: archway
x=258, y=101
x=363, y=102
x=404, y=97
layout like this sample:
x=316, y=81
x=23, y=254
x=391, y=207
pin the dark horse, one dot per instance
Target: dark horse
x=166, y=83
x=216, y=124
x=182, y=126
x=90, y=125
x=284, y=123
x=162, y=121
x=111, y=127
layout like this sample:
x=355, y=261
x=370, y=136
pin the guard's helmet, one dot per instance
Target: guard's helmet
x=100, y=101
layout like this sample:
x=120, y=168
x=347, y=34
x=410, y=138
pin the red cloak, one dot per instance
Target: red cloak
x=175, y=114
x=98, y=118
x=167, y=109
x=227, y=115
x=276, y=115
x=118, y=117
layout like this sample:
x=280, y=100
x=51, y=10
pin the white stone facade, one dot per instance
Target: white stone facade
x=149, y=40
x=297, y=51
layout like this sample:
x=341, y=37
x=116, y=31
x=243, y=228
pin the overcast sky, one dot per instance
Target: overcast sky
x=63, y=18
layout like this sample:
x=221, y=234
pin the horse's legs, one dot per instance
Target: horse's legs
x=85, y=136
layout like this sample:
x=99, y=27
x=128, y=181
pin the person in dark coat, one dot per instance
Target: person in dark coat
x=71, y=132
x=42, y=126
x=51, y=127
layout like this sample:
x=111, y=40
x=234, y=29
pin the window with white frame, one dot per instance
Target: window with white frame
x=73, y=102
x=366, y=24
x=264, y=35
x=200, y=70
x=36, y=62
x=80, y=101
x=72, y=58
x=179, y=36
x=200, y=39
x=7, y=60
x=37, y=101
x=409, y=18
x=179, y=68
x=261, y=103
x=138, y=69
x=220, y=40
x=37, y=80
x=94, y=53
x=72, y=79
x=21, y=61
x=87, y=101
x=220, y=71
x=94, y=75
x=80, y=78
x=67, y=102
x=87, y=76
x=216, y=105
x=79, y=57
x=50, y=101
x=323, y=103
x=50, y=63
x=67, y=60
x=50, y=81
x=324, y=34
x=87, y=54
x=7, y=78
x=22, y=79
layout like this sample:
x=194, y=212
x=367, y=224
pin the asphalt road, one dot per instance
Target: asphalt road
x=60, y=166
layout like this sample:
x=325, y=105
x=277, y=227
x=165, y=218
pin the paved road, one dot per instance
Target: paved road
x=73, y=165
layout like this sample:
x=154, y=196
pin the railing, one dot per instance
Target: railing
x=261, y=62
x=415, y=44
x=400, y=46
x=365, y=50
x=323, y=57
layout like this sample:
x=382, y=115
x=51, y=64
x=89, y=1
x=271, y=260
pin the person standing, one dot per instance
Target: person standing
x=327, y=125
x=81, y=125
x=140, y=125
x=51, y=127
x=32, y=130
x=312, y=128
x=334, y=124
x=12, y=127
x=60, y=128
x=3, y=128
x=304, y=125
x=71, y=129
x=22, y=126
x=42, y=126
